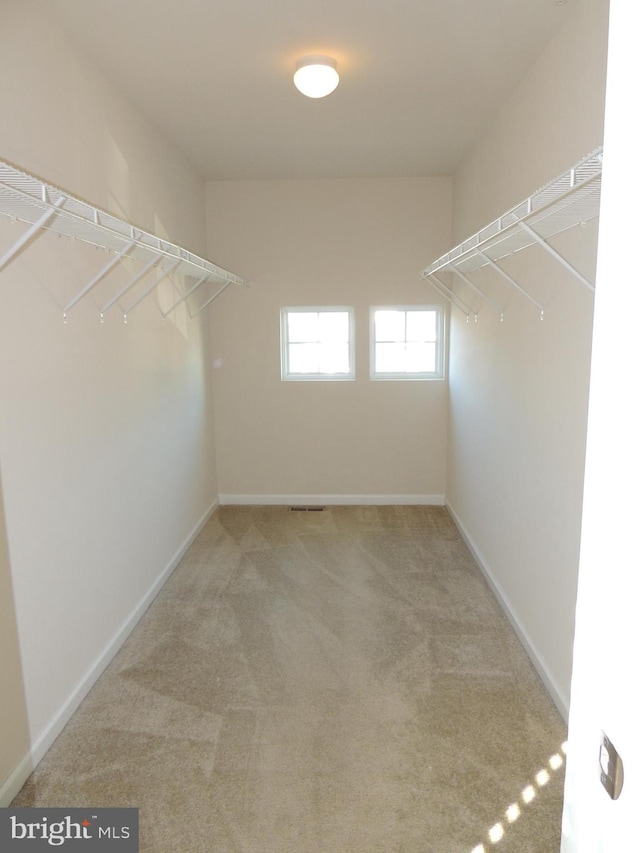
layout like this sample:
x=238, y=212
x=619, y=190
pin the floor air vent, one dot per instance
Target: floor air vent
x=306, y=509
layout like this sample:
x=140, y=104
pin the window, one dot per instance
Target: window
x=317, y=343
x=407, y=342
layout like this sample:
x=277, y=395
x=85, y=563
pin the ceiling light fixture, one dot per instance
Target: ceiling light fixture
x=316, y=76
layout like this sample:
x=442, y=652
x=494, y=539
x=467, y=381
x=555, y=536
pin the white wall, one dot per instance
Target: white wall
x=605, y=690
x=342, y=242
x=519, y=389
x=105, y=430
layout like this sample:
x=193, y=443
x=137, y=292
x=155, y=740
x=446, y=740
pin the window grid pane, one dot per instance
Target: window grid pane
x=390, y=358
x=406, y=343
x=303, y=326
x=421, y=326
x=421, y=358
x=390, y=325
x=334, y=358
x=303, y=358
x=333, y=326
x=316, y=344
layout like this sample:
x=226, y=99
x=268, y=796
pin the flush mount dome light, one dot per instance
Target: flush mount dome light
x=316, y=76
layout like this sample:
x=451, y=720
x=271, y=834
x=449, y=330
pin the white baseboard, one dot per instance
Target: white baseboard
x=15, y=781
x=13, y=784
x=332, y=500
x=560, y=699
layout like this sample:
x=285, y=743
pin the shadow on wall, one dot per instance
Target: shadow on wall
x=170, y=290
x=14, y=726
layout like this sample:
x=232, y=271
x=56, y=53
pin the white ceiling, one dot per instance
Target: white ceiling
x=419, y=78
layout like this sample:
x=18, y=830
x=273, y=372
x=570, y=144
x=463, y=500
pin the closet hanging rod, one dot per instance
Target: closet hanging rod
x=569, y=200
x=28, y=199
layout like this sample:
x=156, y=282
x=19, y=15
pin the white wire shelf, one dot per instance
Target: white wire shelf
x=28, y=199
x=569, y=200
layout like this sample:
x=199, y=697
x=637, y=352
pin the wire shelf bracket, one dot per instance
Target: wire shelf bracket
x=185, y=296
x=152, y=287
x=505, y=275
x=571, y=199
x=211, y=298
x=102, y=274
x=451, y=296
x=41, y=206
x=475, y=287
x=35, y=229
x=555, y=254
x=137, y=277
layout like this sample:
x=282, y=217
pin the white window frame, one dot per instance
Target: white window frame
x=438, y=373
x=285, y=373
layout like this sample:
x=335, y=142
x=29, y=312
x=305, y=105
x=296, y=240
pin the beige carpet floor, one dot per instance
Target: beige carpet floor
x=334, y=682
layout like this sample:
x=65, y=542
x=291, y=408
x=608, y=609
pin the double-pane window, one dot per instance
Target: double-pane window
x=406, y=342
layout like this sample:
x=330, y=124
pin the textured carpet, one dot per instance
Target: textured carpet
x=335, y=682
